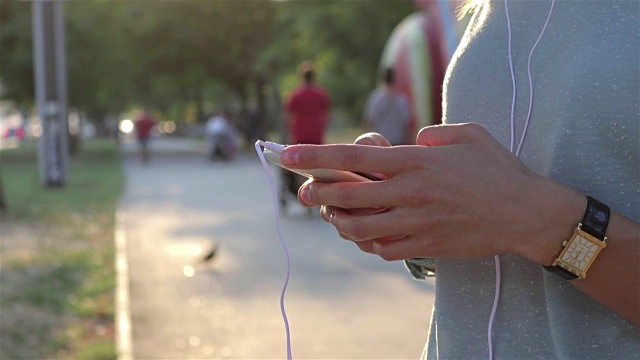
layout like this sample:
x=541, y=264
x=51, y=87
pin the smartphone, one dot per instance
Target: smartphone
x=272, y=153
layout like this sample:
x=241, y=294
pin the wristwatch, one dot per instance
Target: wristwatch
x=581, y=250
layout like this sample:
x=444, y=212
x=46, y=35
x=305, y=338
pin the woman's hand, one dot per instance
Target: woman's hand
x=372, y=139
x=457, y=193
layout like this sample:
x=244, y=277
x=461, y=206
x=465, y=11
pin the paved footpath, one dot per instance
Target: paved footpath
x=341, y=303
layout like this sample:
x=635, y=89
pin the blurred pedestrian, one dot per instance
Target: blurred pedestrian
x=308, y=109
x=143, y=126
x=221, y=136
x=388, y=112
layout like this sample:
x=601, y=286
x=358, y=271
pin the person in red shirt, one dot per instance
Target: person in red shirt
x=143, y=124
x=308, y=109
x=307, y=119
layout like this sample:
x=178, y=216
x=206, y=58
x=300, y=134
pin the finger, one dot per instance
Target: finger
x=405, y=248
x=365, y=158
x=441, y=135
x=367, y=197
x=386, y=238
x=394, y=250
x=365, y=246
x=373, y=139
x=384, y=226
x=303, y=195
x=325, y=211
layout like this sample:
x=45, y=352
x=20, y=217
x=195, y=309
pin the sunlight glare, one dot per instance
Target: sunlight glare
x=126, y=126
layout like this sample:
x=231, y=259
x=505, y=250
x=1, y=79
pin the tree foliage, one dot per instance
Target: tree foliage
x=345, y=40
x=172, y=55
x=16, y=66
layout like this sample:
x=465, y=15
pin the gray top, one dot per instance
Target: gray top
x=584, y=132
x=389, y=113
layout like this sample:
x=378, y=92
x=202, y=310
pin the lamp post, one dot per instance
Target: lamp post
x=51, y=90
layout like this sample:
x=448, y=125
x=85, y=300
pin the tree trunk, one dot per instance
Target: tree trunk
x=3, y=202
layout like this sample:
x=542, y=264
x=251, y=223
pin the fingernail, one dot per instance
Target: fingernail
x=289, y=157
x=304, y=194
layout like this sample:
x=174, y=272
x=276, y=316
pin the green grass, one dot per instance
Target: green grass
x=57, y=280
x=94, y=176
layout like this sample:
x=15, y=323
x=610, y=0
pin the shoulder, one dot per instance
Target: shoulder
x=376, y=94
x=294, y=96
x=295, y=92
x=401, y=97
x=319, y=90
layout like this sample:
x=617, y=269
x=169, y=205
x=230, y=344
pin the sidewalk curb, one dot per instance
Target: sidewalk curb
x=124, y=343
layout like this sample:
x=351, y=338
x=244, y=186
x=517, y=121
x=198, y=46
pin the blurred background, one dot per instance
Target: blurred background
x=184, y=59
x=180, y=62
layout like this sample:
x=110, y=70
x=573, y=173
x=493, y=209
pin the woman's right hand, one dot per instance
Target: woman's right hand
x=456, y=193
x=371, y=139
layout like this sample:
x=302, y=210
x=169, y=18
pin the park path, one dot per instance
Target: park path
x=341, y=303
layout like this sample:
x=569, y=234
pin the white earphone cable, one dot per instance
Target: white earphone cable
x=511, y=148
x=274, y=192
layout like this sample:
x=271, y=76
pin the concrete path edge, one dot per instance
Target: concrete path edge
x=124, y=343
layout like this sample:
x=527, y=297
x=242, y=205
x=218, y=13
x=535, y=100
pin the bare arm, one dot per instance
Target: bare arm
x=614, y=278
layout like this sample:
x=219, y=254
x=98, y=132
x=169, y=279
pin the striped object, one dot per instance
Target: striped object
x=419, y=50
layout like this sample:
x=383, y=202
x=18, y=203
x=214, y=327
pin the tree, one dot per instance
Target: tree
x=173, y=55
x=344, y=38
x=100, y=66
x=198, y=43
x=16, y=55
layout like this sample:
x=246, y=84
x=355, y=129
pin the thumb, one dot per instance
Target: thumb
x=442, y=135
x=373, y=139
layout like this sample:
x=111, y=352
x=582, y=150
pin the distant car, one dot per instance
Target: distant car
x=17, y=133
